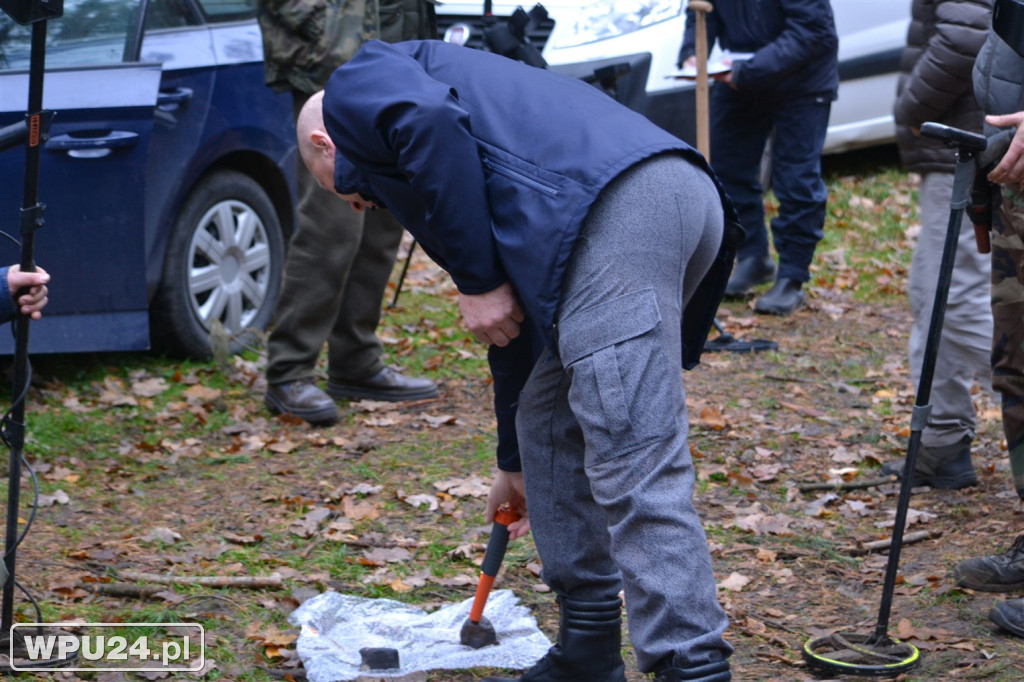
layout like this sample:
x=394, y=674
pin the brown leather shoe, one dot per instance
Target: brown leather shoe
x=387, y=384
x=304, y=399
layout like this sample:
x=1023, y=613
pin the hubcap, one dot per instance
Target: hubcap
x=229, y=266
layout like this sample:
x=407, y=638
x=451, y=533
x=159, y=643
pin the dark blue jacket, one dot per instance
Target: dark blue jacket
x=492, y=165
x=794, y=43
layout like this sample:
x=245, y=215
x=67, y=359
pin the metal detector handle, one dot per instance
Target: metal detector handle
x=997, y=146
x=963, y=140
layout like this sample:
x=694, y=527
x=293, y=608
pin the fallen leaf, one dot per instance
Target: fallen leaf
x=735, y=582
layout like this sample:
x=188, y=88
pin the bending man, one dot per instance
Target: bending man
x=550, y=204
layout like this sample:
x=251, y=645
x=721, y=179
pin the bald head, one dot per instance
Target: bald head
x=315, y=146
x=317, y=149
x=310, y=121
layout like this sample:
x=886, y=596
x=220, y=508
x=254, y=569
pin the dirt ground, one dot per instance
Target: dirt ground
x=829, y=405
x=833, y=402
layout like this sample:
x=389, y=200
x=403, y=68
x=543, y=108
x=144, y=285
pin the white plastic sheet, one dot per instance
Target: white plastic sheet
x=335, y=626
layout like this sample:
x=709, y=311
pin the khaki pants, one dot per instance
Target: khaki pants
x=335, y=275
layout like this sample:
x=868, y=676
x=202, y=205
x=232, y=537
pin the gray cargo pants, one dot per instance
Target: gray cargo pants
x=964, y=353
x=602, y=420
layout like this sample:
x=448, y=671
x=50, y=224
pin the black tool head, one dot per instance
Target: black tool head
x=478, y=635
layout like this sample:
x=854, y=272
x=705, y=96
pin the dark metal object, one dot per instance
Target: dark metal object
x=27, y=12
x=379, y=658
x=478, y=634
x=401, y=277
x=727, y=342
x=877, y=654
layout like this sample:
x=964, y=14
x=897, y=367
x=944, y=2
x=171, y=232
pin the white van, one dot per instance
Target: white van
x=642, y=37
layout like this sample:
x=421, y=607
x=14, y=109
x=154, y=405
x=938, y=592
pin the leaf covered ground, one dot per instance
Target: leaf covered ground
x=157, y=466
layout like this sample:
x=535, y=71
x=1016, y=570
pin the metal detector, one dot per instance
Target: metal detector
x=31, y=132
x=877, y=654
x=729, y=343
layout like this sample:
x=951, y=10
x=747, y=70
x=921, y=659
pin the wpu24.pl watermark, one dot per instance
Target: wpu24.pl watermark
x=108, y=647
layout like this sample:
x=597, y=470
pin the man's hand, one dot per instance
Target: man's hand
x=35, y=299
x=508, y=489
x=494, y=317
x=1011, y=168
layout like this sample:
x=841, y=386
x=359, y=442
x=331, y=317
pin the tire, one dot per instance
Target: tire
x=224, y=263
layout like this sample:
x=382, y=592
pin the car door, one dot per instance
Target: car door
x=92, y=175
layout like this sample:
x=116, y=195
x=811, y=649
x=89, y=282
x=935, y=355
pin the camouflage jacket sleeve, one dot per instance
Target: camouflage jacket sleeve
x=304, y=41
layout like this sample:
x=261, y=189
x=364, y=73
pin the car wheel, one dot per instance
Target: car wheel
x=223, y=268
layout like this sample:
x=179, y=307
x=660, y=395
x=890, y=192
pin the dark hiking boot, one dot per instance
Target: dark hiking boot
x=948, y=467
x=709, y=672
x=750, y=272
x=1009, y=615
x=785, y=296
x=589, y=647
x=303, y=399
x=1001, y=573
x=387, y=384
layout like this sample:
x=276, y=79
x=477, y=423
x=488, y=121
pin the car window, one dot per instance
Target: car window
x=228, y=10
x=170, y=14
x=90, y=32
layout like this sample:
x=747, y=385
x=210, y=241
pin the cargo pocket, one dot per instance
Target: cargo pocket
x=624, y=390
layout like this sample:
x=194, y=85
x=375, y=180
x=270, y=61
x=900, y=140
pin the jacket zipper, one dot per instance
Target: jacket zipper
x=519, y=176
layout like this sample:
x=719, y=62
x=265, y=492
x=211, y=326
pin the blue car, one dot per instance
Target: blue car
x=168, y=175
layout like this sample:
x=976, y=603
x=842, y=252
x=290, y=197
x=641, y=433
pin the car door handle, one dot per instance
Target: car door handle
x=87, y=144
x=169, y=100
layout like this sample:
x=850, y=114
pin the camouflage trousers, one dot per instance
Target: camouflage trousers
x=1008, y=322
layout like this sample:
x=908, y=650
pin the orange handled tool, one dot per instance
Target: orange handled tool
x=477, y=631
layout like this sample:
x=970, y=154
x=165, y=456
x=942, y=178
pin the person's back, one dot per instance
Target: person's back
x=550, y=143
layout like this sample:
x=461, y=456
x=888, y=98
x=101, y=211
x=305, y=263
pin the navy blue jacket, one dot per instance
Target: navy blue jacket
x=491, y=164
x=794, y=42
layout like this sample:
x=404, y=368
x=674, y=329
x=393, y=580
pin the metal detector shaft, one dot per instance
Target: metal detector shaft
x=31, y=219
x=401, y=276
x=968, y=145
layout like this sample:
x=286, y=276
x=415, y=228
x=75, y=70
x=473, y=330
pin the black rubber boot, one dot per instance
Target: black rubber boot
x=709, y=672
x=750, y=272
x=589, y=647
x=785, y=296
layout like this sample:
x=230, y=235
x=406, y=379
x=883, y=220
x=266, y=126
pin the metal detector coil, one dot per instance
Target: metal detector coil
x=853, y=654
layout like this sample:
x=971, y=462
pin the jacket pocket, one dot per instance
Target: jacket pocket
x=523, y=176
x=624, y=389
